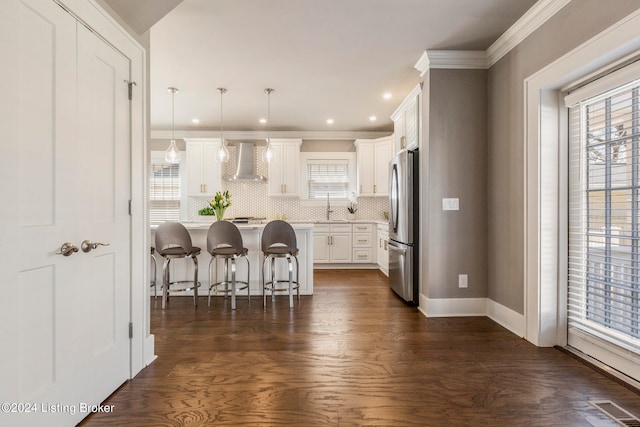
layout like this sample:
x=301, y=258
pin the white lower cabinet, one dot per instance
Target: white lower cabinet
x=363, y=244
x=332, y=243
x=382, y=248
x=340, y=243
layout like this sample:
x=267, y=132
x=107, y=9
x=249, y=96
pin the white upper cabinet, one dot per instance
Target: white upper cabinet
x=406, y=122
x=284, y=167
x=204, y=171
x=373, y=156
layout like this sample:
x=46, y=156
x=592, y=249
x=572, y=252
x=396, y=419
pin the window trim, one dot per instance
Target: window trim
x=306, y=156
x=156, y=156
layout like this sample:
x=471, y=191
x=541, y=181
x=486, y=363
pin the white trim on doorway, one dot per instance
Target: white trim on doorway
x=142, y=342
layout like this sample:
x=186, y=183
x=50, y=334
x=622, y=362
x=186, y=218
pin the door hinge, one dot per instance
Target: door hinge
x=130, y=330
x=130, y=84
x=129, y=207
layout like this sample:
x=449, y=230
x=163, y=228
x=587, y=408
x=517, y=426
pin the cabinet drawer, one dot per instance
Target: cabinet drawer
x=362, y=228
x=321, y=228
x=362, y=240
x=340, y=228
x=363, y=255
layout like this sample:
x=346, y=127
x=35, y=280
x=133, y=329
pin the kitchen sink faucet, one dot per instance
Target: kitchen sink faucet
x=329, y=210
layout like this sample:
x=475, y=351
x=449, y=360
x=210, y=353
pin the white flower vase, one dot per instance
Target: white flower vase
x=206, y=218
x=351, y=216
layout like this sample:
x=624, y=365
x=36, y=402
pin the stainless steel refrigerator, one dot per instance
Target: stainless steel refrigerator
x=404, y=218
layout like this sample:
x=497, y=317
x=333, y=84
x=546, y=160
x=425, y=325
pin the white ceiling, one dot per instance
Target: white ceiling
x=324, y=58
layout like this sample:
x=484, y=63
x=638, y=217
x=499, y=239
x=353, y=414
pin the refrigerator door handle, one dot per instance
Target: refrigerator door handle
x=394, y=198
x=395, y=248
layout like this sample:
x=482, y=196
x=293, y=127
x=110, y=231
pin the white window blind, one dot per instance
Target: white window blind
x=328, y=176
x=164, y=193
x=604, y=216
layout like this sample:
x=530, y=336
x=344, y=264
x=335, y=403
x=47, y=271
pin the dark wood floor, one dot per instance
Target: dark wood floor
x=351, y=355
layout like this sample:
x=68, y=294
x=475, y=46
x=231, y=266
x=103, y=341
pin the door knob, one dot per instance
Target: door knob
x=88, y=245
x=67, y=249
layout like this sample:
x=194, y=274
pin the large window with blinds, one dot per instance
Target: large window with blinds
x=164, y=191
x=328, y=177
x=604, y=216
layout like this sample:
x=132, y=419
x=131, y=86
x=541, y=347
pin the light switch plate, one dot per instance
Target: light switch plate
x=451, y=204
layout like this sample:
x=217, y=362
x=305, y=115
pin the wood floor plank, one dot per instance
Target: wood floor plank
x=353, y=354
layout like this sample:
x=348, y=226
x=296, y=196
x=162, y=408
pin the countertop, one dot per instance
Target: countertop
x=296, y=224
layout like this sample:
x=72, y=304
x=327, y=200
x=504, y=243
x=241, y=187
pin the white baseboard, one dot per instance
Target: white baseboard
x=453, y=307
x=506, y=317
x=466, y=307
x=149, y=349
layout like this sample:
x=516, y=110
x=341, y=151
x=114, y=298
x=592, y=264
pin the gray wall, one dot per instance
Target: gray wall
x=576, y=23
x=454, y=163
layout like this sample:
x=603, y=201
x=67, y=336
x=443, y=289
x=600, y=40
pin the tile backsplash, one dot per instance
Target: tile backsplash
x=251, y=199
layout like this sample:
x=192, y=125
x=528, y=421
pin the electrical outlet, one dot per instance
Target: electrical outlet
x=463, y=280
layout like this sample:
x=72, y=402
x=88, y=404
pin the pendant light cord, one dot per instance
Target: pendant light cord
x=222, y=91
x=173, y=115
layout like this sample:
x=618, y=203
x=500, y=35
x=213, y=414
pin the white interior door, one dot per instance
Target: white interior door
x=64, y=319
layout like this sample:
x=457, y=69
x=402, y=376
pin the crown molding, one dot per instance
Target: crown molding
x=417, y=90
x=451, y=59
x=539, y=13
x=248, y=135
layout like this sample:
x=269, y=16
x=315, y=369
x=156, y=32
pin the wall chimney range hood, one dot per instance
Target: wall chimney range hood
x=244, y=168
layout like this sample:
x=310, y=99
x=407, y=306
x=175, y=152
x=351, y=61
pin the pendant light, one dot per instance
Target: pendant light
x=223, y=153
x=172, y=154
x=267, y=154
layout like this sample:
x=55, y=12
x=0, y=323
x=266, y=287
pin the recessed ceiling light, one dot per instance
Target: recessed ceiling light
x=329, y=121
x=263, y=120
x=373, y=118
x=387, y=95
x=196, y=121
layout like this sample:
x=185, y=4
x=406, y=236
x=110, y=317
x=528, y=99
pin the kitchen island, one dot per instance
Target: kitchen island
x=251, y=235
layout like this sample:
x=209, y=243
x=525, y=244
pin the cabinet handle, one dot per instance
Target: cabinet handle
x=205, y=187
x=403, y=141
x=362, y=256
x=285, y=189
x=361, y=241
x=328, y=241
x=380, y=243
x=331, y=240
x=386, y=248
x=375, y=188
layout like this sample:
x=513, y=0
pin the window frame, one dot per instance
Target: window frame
x=156, y=156
x=305, y=157
x=585, y=303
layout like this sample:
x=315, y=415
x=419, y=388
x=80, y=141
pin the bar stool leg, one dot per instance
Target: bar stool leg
x=165, y=283
x=290, y=265
x=274, y=281
x=154, y=273
x=211, y=280
x=233, y=284
x=248, y=279
x=263, y=283
x=297, y=276
x=195, y=281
